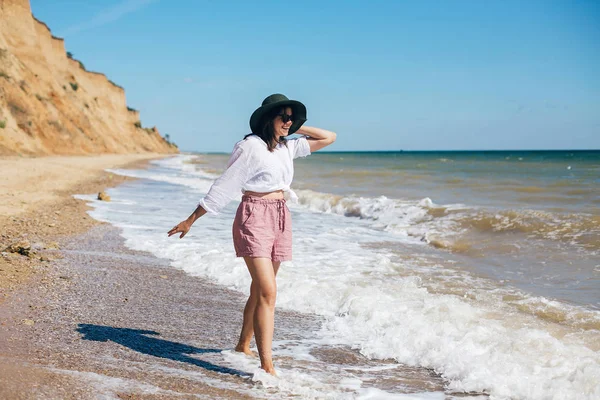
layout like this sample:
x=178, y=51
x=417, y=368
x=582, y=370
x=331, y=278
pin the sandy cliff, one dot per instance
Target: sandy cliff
x=49, y=104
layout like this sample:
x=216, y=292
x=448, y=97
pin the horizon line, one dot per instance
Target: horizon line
x=421, y=151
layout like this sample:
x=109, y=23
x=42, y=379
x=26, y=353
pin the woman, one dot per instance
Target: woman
x=261, y=166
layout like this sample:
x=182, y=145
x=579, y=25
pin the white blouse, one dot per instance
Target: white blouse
x=252, y=167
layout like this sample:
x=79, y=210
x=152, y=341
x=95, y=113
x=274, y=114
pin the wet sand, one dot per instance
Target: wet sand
x=37, y=209
x=108, y=321
x=119, y=324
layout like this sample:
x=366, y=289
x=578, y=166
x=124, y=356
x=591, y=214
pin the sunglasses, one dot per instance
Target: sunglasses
x=285, y=118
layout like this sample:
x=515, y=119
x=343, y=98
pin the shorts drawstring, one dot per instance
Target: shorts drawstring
x=280, y=208
x=281, y=215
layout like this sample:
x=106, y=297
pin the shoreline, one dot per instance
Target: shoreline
x=99, y=319
x=103, y=322
x=46, y=298
x=37, y=206
x=112, y=322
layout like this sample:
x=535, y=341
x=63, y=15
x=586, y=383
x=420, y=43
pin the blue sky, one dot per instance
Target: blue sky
x=385, y=75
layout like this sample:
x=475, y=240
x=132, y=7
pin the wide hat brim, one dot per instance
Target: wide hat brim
x=277, y=101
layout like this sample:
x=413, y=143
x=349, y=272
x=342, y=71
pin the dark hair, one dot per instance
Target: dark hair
x=266, y=131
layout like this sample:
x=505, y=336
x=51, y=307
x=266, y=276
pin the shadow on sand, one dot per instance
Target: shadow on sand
x=137, y=340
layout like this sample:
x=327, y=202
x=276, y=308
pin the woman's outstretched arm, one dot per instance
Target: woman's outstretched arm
x=184, y=226
x=222, y=191
x=318, y=138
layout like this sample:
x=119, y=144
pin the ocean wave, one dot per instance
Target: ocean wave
x=408, y=218
x=579, y=229
x=448, y=226
x=557, y=312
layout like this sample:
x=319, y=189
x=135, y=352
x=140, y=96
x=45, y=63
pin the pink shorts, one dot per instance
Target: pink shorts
x=263, y=228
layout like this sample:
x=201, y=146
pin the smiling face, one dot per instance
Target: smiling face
x=280, y=127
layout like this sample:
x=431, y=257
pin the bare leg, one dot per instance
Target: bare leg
x=263, y=276
x=243, y=345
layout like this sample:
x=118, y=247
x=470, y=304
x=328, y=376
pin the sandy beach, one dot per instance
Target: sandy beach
x=37, y=204
x=99, y=319
x=37, y=214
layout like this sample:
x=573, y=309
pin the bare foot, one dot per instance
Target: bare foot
x=270, y=371
x=246, y=351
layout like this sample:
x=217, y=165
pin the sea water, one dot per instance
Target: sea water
x=482, y=268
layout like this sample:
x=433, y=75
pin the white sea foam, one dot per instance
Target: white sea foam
x=477, y=343
x=376, y=394
x=410, y=219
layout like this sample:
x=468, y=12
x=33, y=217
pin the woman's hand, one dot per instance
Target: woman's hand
x=183, y=227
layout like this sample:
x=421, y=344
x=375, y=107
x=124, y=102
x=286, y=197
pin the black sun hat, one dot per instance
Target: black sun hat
x=276, y=101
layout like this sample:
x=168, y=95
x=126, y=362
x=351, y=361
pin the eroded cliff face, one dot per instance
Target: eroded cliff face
x=49, y=104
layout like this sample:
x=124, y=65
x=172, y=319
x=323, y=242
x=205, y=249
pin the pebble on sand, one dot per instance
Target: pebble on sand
x=103, y=196
x=22, y=247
